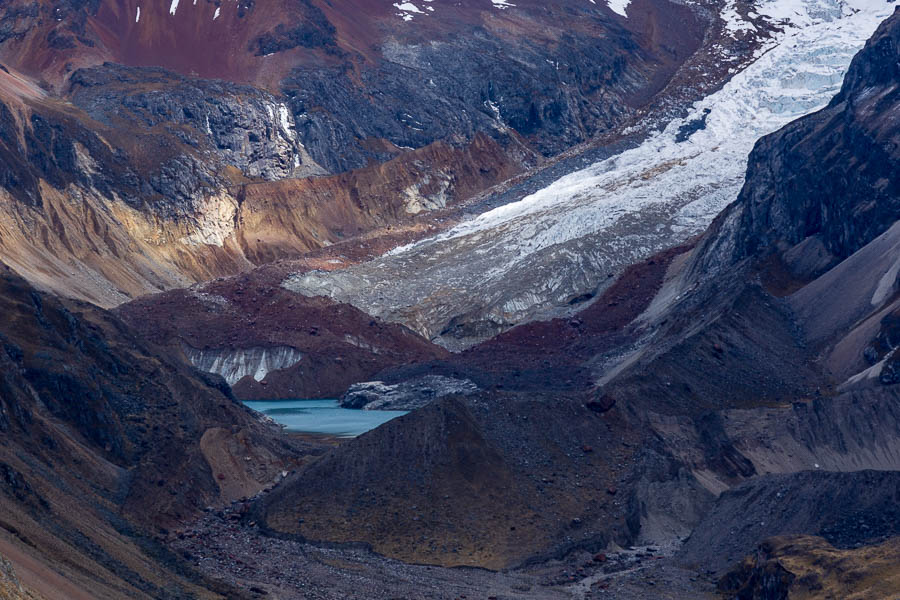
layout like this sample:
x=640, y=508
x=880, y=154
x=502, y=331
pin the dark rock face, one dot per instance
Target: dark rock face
x=809, y=567
x=452, y=89
x=316, y=32
x=240, y=125
x=18, y=20
x=14, y=483
x=884, y=347
x=890, y=373
x=834, y=174
x=46, y=148
x=763, y=579
x=601, y=404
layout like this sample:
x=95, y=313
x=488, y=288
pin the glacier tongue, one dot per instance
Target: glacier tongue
x=522, y=260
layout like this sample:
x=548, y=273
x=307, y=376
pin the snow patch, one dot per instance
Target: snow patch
x=873, y=372
x=284, y=119
x=408, y=7
x=886, y=284
x=618, y=6
x=408, y=10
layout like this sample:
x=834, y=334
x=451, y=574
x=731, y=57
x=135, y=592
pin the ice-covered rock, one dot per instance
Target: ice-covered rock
x=407, y=395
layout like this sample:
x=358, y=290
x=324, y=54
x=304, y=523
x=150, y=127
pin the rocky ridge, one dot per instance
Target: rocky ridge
x=324, y=346
x=10, y=588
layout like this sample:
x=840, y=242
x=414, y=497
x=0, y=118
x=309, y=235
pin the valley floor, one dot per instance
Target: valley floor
x=224, y=545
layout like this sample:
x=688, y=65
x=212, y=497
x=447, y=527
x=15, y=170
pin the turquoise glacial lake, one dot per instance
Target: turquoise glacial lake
x=323, y=416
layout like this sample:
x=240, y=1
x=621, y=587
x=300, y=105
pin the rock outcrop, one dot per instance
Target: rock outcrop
x=829, y=178
x=10, y=588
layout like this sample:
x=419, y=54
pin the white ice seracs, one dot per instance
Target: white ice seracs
x=234, y=365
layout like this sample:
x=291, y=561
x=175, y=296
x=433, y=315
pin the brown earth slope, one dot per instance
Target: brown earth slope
x=484, y=481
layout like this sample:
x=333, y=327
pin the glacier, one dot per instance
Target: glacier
x=528, y=259
x=234, y=365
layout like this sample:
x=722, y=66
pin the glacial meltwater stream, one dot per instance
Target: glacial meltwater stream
x=323, y=416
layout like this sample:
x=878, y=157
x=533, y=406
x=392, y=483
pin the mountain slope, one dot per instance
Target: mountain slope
x=692, y=395
x=797, y=567
x=106, y=442
x=143, y=168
